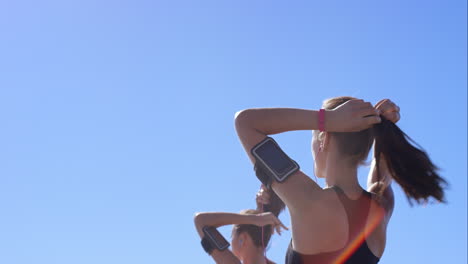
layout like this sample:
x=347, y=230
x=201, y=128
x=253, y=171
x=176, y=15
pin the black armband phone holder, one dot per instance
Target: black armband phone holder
x=213, y=240
x=207, y=246
x=262, y=174
x=271, y=163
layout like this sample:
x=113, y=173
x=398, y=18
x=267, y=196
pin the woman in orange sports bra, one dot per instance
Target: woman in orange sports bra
x=343, y=222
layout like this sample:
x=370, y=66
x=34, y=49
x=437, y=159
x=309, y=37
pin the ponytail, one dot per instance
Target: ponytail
x=408, y=165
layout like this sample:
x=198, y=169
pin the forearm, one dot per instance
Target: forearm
x=385, y=177
x=220, y=219
x=381, y=185
x=269, y=121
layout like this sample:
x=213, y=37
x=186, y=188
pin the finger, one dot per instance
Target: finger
x=278, y=222
x=389, y=107
x=278, y=230
x=366, y=105
x=371, y=120
x=394, y=117
x=377, y=105
x=355, y=102
x=392, y=108
x=385, y=106
x=282, y=225
x=368, y=111
x=390, y=115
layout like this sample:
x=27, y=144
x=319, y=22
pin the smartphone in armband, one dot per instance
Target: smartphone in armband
x=216, y=239
x=273, y=159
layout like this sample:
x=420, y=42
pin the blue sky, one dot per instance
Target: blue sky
x=117, y=116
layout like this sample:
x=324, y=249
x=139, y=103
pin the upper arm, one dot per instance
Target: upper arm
x=299, y=189
x=387, y=199
x=222, y=257
x=381, y=185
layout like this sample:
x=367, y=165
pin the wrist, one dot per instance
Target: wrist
x=251, y=219
x=325, y=120
x=321, y=120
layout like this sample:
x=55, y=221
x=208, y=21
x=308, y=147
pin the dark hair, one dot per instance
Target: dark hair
x=408, y=165
x=255, y=232
x=276, y=205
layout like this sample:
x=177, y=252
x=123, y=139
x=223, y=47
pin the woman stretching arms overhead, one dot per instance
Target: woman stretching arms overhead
x=342, y=223
x=251, y=232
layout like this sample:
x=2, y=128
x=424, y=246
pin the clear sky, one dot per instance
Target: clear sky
x=117, y=116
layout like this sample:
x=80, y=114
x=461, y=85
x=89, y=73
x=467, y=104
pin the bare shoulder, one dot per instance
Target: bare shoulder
x=326, y=205
x=299, y=192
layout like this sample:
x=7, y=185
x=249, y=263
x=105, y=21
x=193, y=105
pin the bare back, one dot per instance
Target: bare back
x=322, y=225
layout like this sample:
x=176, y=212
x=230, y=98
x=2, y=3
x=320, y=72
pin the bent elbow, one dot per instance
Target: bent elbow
x=241, y=117
x=198, y=219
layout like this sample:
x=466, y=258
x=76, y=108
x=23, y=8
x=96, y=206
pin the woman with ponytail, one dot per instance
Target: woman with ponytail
x=251, y=232
x=343, y=222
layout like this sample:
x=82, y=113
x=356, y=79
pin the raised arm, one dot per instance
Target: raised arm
x=220, y=219
x=217, y=219
x=253, y=125
x=381, y=183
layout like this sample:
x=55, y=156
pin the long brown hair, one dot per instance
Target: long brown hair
x=409, y=165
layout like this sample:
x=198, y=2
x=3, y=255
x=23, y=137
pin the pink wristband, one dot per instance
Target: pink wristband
x=321, y=120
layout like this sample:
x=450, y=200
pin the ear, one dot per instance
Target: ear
x=324, y=139
x=241, y=240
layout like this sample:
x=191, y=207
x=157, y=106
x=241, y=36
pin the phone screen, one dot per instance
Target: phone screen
x=220, y=242
x=275, y=157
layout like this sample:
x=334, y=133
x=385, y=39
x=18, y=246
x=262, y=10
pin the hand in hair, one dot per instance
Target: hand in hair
x=268, y=218
x=352, y=116
x=389, y=110
x=268, y=201
x=398, y=157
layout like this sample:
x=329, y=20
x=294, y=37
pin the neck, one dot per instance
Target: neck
x=254, y=256
x=341, y=174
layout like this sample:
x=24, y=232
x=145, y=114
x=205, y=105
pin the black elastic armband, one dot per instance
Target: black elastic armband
x=272, y=163
x=213, y=240
x=207, y=246
x=262, y=174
